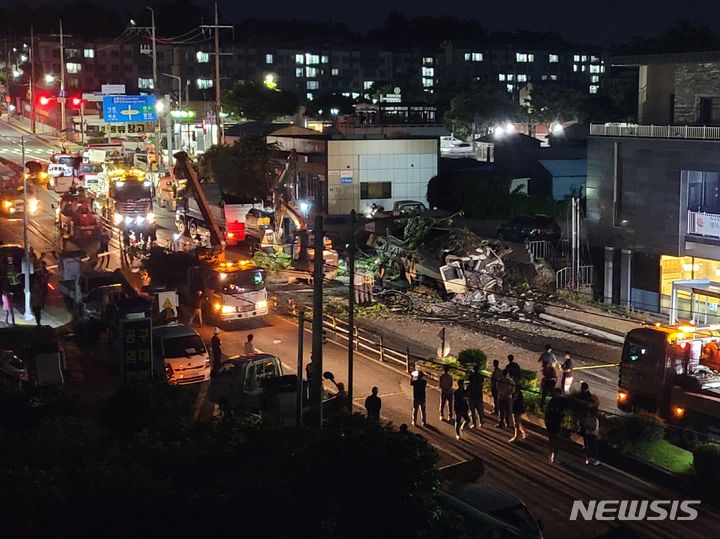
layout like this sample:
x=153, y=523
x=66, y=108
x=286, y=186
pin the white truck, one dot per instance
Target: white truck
x=180, y=355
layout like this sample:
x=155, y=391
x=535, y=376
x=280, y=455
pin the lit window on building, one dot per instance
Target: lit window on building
x=501, y=77
x=428, y=71
x=309, y=96
x=202, y=57
x=268, y=58
x=584, y=58
x=522, y=78
x=204, y=84
x=368, y=84
x=89, y=53
x=553, y=77
x=594, y=59
x=428, y=60
x=595, y=78
x=602, y=69
x=544, y=77
x=553, y=58
x=299, y=58
x=575, y=67
x=510, y=88
x=428, y=83
x=312, y=58
x=311, y=71
x=509, y=76
x=583, y=68
x=473, y=57
x=594, y=88
x=324, y=59
x=334, y=71
x=521, y=57
x=299, y=72
x=594, y=69
x=145, y=84
x=312, y=85
x=72, y=67
x=576, y=57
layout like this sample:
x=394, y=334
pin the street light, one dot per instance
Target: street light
x=49, y=78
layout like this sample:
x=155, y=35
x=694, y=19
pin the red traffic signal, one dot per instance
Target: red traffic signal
x=76, y=101
x=44, y=100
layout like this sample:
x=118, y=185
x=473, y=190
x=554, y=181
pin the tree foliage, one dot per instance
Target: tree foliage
x=179, y=477
x=554, y=102
x=255, y=101
x=483, y=105
x=242, y=169
x=323, y=104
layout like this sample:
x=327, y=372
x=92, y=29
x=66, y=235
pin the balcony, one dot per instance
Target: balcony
x=703, y=224
x=655, y=131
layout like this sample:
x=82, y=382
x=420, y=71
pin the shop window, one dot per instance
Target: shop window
x=375, y=190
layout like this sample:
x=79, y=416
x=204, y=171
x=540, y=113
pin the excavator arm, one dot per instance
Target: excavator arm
x=183, y=165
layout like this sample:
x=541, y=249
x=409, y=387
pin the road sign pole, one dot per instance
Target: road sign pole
x=28, y=310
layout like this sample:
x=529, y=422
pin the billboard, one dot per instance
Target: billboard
x=136, y=342
x=129, y=108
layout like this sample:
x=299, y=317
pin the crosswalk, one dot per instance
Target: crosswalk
x=28, y=151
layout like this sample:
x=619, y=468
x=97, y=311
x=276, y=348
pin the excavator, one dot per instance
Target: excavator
x=285, y=229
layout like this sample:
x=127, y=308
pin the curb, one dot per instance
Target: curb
x=602, y=333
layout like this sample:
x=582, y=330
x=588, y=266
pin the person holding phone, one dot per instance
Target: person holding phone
x=419, y=385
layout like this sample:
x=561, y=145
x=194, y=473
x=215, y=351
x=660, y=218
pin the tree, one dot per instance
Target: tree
x=554, y=102
x=323, y=105
x=255, y=101
x=242, y=169
x=483, y=105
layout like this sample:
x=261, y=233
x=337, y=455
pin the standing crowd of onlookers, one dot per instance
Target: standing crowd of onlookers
x=461, y=401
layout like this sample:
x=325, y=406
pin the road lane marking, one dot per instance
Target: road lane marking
x=361, y=399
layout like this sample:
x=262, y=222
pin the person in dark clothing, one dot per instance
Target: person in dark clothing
x=567, y=374
x=104, y=244
x=591, y=431
x=547, y=357
x=36, y=301
x=373, y=403
x=216, y=346
x=547, y=385
x=553, y=423
x=518, y=409
x=460, y=402
x=513, y=369
x=475, y=397
x=419, y=385
x=494, y=379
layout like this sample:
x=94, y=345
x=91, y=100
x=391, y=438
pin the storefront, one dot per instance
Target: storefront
x=689, y=288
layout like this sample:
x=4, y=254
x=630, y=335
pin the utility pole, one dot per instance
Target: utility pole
x=351, y=307
x=218, y=105
x=33, y=126
x=61, y=97
x=154, y=49
x=26, y=245
x=316, y=383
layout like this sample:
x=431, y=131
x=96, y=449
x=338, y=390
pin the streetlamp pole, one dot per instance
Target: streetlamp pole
x=28, y=310
x=62, y=79
x=32, y=81
x=154, y=49
x=351, y=307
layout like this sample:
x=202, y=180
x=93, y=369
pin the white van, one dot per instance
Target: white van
x=185, y=358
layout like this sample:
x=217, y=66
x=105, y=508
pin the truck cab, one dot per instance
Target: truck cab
x=239, y=382
x=130, y=200
x=180, y=355
x=235, y=290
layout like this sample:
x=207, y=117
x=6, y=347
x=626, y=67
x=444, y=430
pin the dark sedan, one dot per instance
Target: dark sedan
x=530, y=228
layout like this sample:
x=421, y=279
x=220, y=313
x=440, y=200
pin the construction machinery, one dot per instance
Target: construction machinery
x=76, y=219
x=674, y=371
x=284, y=229
x=129, y=201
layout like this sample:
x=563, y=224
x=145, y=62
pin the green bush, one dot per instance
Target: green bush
x=643, y=427
x=471, y=357
x=532, y=404
x=528, y=380
x=706, y=460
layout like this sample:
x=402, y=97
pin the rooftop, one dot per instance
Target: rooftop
x=666, y=58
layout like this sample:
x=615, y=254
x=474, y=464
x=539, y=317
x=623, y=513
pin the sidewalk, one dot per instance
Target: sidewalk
x=44, y=132
x=54, y=314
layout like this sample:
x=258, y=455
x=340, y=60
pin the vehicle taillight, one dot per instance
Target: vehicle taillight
x=230, y=235
x=622, y=396
x=678, y=411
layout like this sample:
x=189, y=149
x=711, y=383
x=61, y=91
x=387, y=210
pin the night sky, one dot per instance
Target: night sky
x=602, y=22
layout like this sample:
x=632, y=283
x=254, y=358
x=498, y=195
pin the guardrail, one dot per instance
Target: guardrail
x=656, y=131
x=565, y=278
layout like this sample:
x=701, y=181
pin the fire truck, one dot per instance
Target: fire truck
x=674, y=371
x=129, y=201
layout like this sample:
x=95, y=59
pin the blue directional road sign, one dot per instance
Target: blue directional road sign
x=129, y=108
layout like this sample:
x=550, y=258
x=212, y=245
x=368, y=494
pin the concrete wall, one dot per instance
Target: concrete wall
x=653, y=212
x=693, y=82
x=407, y=163
x=656, y=85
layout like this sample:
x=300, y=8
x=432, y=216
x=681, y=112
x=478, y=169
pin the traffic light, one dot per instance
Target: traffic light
x=76, y=101
x=44, y=100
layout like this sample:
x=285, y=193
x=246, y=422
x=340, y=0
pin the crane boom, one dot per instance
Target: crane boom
x=183, y=165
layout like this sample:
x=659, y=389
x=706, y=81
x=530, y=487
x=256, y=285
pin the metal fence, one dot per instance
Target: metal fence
x=656, y=131
x=584, y=277
x=540, y=250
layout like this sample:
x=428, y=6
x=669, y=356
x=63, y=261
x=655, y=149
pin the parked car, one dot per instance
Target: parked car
x=530, y=228
x=501, y=505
